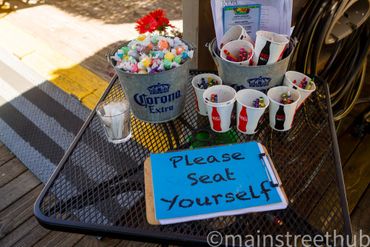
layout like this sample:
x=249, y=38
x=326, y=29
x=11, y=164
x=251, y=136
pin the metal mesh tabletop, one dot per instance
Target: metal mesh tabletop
x=98, y=188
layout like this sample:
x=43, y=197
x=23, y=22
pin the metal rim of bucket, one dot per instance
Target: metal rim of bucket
x=211, y=47
x=113, y=51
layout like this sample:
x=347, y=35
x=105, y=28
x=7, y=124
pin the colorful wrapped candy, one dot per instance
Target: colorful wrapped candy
x=259, y=102
x=152, y=53
x=286, y=98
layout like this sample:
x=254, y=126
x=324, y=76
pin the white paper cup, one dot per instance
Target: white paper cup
x=236, y=32
x=200, y=106
x=269, y=47
x=219, y=113
x=281, y=116
x=290, y=77
x=234, y=47
x=248, y=116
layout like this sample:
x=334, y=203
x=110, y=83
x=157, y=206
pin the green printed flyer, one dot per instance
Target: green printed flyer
x=247, y=16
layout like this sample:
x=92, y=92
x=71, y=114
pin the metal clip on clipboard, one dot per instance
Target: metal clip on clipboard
x=272, y=177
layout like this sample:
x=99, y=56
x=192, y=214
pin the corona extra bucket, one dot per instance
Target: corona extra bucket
x=240, y=77
x=155, y=98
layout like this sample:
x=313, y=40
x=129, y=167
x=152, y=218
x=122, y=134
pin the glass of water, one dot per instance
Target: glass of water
x=115, y=119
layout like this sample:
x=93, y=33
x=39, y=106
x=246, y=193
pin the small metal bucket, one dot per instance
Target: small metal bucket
x=255, y=77
x=155, y=98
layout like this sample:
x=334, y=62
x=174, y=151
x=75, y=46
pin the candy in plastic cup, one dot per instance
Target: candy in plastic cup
x=281, y=115
x=199, y=89
x=269, y=47
x=236, y=32
x=233, y=48
x=293, y=79
x=220, y=103
x=247, y=115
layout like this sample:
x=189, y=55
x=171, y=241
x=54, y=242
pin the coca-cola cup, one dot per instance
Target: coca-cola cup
x=236, y=32
x=200, y=83
x=232, y=50
x=297, y=80
x=247, y=113
x=282, y=115
x=220, y=103
x=269, y=47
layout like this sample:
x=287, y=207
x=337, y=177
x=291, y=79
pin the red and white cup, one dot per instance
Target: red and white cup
x=219, y=111
x=248, y=116
x=233, y=47
x=292, y=79
x=196, y=83
x=236, y=32
x=269, y=47
x=282, y=115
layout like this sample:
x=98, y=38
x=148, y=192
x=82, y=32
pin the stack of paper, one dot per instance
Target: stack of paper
x=274, y=16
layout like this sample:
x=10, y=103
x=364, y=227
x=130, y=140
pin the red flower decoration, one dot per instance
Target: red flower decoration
x=146, y=24
x=155, y=20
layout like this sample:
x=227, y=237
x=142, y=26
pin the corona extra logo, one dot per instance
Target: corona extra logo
x=159, y=88
x=159, y=99
x=259, y=81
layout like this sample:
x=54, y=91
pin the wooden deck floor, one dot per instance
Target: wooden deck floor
x=19, y=189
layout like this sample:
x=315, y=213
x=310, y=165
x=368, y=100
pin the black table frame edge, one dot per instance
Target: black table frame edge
x=97, y=230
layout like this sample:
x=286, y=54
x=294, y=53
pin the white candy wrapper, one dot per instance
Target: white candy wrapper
x=282, y=116
x=292, y=79
x=269, y=47
x=235, y=33
x=115, y=118
x=219, y=110
x=199, y=90
x=247, y=115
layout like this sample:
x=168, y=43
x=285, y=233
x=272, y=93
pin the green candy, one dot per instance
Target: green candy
x=125, y=50
x=154, y=39
x=167, y=64
x=177, y=59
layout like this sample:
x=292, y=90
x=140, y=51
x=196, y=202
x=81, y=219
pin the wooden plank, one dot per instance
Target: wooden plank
x=357, y=173
x=5, y=155
x=125, y=243
x=17, y=188
x=19, y=232
x=360, y=216
x=190, y=14
x=57, y=239
x=206, y=34
x=10, y=170
x=18, y=212
x=94, y=242
x=32, y=237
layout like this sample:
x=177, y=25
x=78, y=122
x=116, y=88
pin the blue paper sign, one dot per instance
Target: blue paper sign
x=210, y=180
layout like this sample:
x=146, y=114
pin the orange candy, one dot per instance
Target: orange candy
x=163, y=44
x=179, y=50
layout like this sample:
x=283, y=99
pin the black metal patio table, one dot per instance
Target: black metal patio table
x=98, y=187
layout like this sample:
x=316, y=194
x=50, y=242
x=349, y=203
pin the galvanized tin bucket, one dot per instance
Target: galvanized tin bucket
x=255, y=77
x=155, y=98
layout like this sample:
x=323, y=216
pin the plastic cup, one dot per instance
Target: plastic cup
x=234, y=48
x=269, y=47
x=115, y=119
x=219, y=112
x=247, y=115
x=199, y=90
x=282, y=116
x=290, y=77
x=236, y=32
